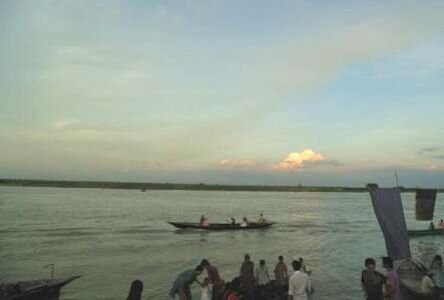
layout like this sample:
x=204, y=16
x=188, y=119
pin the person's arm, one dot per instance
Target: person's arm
x=285, y=273
x=182, y=295
x=266, y=273
x=290, y=289
x=364, y=290
x=309, y=286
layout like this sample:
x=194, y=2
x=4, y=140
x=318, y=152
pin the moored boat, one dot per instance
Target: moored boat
x=220, y=226
x=410, y=274
x=34, y=289
x=425, y=232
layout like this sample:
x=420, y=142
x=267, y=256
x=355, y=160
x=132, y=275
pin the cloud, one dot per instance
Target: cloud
x=65, y=124
x=237, y=163
x=298, y=160
x=432, y=152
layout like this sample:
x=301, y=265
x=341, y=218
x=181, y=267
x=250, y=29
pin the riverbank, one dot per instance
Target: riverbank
x=143, y=186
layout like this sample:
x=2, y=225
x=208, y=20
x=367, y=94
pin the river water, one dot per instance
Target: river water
x=114, y=236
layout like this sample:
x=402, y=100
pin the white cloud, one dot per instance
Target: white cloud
x=297, y=160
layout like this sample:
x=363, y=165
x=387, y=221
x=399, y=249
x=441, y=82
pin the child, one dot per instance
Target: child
x=207, y=290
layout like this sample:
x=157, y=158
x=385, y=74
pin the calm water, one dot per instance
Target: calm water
x=114, y=236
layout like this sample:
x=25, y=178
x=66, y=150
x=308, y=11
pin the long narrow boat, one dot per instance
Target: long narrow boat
x=220, y=226
x=425, y=232
x=34, y=289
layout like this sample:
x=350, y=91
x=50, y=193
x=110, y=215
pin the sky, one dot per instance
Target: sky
x=223, y=92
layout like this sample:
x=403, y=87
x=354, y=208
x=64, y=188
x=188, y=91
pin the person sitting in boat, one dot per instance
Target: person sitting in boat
x=441, y=224
x=244, y=222
x=203, y=221
x=372, y=281
x=431, y=226
x=233, y=221
x=261, y=219
x=427, y=285
x=436, y=264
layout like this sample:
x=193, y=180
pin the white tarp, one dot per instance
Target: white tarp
x=390, y=214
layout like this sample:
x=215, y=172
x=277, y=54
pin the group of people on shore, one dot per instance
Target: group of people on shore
x=379, y=287
x=243, y=223
x=251, y=284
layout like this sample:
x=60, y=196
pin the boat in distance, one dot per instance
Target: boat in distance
x=424, y=232
x=221, y=226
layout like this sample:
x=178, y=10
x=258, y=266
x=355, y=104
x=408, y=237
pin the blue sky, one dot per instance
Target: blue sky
x=240, y=92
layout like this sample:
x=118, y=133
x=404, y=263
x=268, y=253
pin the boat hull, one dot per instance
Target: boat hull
x=46, y=289
x=425, y=232
x=220, y=226
x=411, y=272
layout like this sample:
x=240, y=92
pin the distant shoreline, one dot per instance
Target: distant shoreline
x=143, y=186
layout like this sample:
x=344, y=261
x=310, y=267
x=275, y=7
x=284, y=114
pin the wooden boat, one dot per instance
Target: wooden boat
x=220, y=226
x=410, y=274
x=425, y=232
x=34, y=289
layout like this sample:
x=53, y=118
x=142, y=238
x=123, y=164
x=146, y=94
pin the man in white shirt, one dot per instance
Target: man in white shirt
x=299, y=283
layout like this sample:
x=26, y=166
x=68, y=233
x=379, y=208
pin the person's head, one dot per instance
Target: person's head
x=136, y=289
x=296, y=265
x=262, y=214
x=247, y=257
x=437, y=259
x=198, y=270
x=281, y=258
x=388, y=263
x=441, y=221
x=301, y=259
x=370, y=264
x=206, y=281
x=204, y=263
x=262, y=262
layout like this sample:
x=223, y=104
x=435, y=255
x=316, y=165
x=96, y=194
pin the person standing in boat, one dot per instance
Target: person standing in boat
x=244, y=222
x=214, y=277
x=181, y=285
x=299, y=283
x=392, y=291
x=247, y=281
x=261, y=219
x=372, y=281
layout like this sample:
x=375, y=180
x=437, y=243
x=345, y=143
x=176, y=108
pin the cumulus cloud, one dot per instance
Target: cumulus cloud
x=297, y=160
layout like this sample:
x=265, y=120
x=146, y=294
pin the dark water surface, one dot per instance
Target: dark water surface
x=114, y=236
